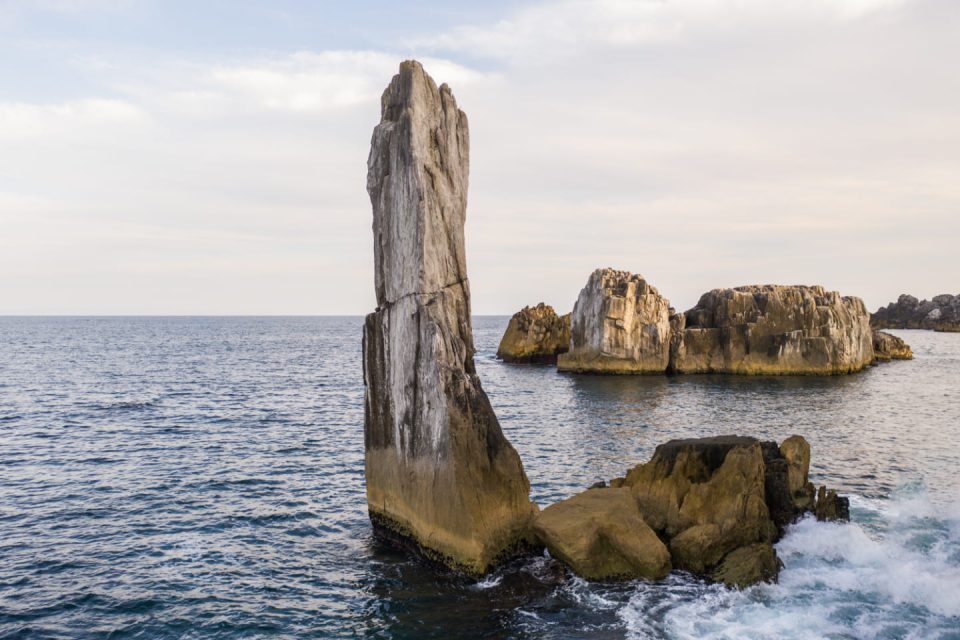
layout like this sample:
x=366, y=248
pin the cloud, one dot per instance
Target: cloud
x=702, y=144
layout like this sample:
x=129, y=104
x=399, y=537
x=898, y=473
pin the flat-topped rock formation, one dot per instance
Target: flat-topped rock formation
x=439, y=472
x=887, y=347
x=620, y=324
x=535, y=334
x=940, y=314
x=712, y=506
x=773, y=329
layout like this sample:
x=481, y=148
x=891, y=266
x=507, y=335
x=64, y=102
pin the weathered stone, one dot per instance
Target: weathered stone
x=774, y=330
x=831, y=506
x=749, y=565
x=535, y=334
x=620, y=324
x=942, y=313
x=796, y=450
x=600, y=535
x=888, y=347
x=439, y=471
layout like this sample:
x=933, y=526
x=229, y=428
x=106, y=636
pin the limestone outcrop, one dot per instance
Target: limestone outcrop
x=773, y=330
x=439, y=471
x=713, y=506
x=620, y=324
x=722, y=502
x=942, y=313
x=600, y=535
x=887, y=347
x=535, y=334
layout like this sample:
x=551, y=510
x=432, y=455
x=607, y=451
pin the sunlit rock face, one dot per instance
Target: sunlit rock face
x=535, y=334
x=773, y=330
x=942, y=313
x=620, y=324
x=439, y=471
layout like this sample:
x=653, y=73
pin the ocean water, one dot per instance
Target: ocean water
x=203, y=478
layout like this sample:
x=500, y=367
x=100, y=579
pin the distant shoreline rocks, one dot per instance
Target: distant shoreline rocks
x=940, y=314
x=621, y=324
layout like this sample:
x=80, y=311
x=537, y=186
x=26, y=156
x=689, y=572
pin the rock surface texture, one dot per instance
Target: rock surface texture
x=439, y=471
x=535, y=334
x=620, y=324
x=773, y=330
x=940, y=314
x=887, y=347
x=713, y=506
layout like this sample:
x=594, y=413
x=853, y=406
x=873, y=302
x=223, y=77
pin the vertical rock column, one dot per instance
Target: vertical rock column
x=439, y=471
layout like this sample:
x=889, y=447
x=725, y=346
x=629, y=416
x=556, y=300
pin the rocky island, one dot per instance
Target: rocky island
x=535, y=334
x=940, y=314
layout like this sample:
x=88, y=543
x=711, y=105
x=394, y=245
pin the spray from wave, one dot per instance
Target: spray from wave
x=893, y=572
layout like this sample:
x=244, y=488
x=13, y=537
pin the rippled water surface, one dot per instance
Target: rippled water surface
x=203, y=477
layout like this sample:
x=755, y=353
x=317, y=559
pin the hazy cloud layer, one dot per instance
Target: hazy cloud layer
x=703, y=144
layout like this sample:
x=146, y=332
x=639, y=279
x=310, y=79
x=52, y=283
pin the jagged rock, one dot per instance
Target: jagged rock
x=749, y=565
x=439, y=471
x=535, y=334
x=600, y=535
x=888, y=347
x=710, y=497
x=620, y=324
x=796, y=451
x=831, y=506
x=940, y=314
x=774, y=330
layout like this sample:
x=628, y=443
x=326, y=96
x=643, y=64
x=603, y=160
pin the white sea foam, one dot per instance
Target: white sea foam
x=893, y=572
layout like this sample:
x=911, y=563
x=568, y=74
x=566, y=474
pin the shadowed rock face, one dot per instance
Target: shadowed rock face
x=620, y=324
x=940, y=314
x=773, y=330
x=888, y=347
x=439, y=471
x=535, y=334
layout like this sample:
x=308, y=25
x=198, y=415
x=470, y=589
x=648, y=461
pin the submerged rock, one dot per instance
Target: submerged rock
x=600, y=535
x=774, y=330
x=439, y=471
x=942, y=313
x=620, y=324
x=888, y=347
x=535, y=334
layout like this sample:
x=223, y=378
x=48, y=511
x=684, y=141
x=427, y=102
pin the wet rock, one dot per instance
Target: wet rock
x=942, y=313
x=831, y=507
x=888, y=347
x=774, y=330
x=620, y=324
x=439, y=472
x=749, y=565
x=535, y=334
x=600, y=535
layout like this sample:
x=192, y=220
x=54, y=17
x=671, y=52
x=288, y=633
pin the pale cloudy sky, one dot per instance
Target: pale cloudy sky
x=162, y=157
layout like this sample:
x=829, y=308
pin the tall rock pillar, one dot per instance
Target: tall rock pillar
x=439, y=470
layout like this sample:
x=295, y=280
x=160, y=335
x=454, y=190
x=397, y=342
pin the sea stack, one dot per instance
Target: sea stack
x=439, y=472
x=620, y=324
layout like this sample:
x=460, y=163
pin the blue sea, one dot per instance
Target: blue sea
x=203, y=478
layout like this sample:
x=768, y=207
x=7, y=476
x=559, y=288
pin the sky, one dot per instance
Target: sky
x=166, y=157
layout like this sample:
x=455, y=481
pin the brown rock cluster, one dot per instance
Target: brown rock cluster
x=712, y=506
x=887, y=347
x=535, y=334
x=942, y=313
